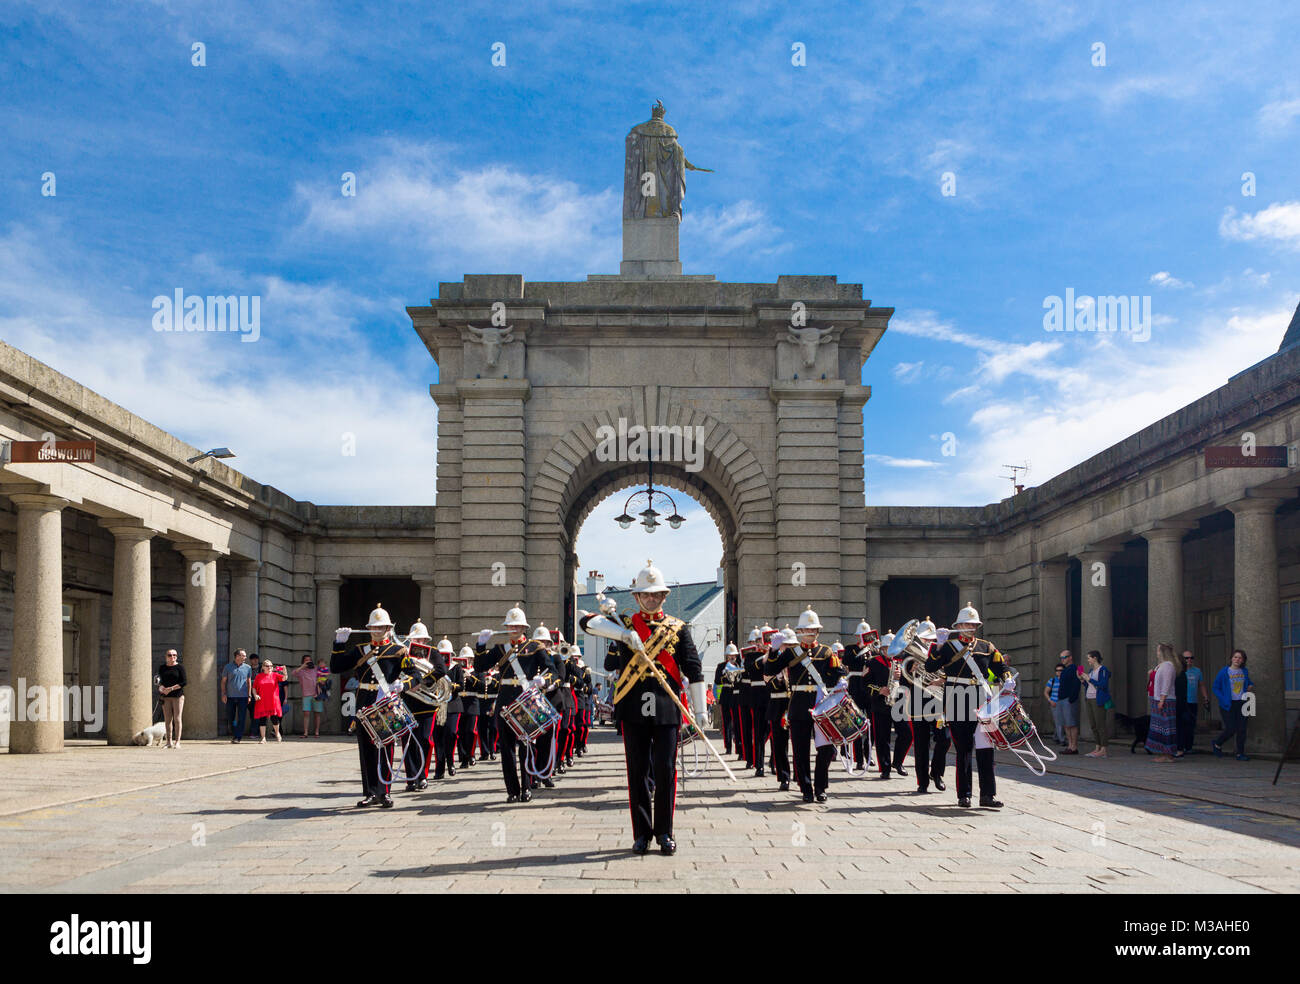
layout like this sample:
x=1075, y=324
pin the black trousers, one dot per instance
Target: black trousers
x=927, y=764
x=465, y=737
x=725, y=707
x=371, y=780
x=418, y=752
x=780, y=739
x=487, y=734
x=903, y=739
x=512, y=761
x=737, y=728
x=758, y=740
x=444, y=742
x=801, y=737
x=882, y=726
x=564, y=734
x=963, y=739
x=650, y=750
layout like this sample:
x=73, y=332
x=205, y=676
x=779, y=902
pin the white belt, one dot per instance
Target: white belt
x=567, y=686
x=515, y=682
x=757, y=683
x=856, y=673
x=778, y=694
x=805, y=687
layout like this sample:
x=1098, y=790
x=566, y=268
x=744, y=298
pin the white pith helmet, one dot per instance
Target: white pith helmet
x=731, y=650
x=756, y=635
x=418, y=631
x=649, y=578
x=837, y=646
x=445, y=647
x=766, y=631
x=465, y=653
x=379, y=618
x=968, y=614
x=516, y=617
x=808, y=619
x=885, y=640
x=541, y=634
x=575, y=652
x=926, y=630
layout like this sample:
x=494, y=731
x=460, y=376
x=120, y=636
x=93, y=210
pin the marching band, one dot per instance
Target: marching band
x=779, y=697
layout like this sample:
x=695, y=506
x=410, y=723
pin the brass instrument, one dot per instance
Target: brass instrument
x=912, y=652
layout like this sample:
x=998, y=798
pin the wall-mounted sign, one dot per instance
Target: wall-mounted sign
x=38, y=452
x=1234, y=456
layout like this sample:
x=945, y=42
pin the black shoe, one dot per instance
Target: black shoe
x=492, y=756
x=451, y=771
x=785, y=787
x=548, y=783
x=568, y=763
x=422, y=785
x=993, y=804
x=559, y=769
x=808, y=797
x=437, y=775
x=885, y=775
x=410, y=787
x=512, y=798
x=368, y=801
x=963, y=801
x=919, y=791
x=898, y=770
x=822, y=797
x=938, y=783
x=641, y=845
x=526, y=796
x=667, y=845
x=759, y=774
x=385, y=802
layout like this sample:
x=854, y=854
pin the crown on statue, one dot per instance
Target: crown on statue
x=657, y=110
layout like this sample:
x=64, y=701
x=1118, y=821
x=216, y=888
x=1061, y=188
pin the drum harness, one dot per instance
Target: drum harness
x=381, y=682
x=841, y=751
x=530, y=753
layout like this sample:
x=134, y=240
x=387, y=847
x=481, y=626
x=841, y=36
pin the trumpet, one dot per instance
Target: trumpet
x=564, y=649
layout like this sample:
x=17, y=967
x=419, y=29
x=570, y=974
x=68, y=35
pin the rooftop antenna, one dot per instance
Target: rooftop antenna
x=1016, y=484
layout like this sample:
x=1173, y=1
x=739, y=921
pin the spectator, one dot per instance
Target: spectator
x=1162, y=737
x=171, y=683
x=324, y=681
x=306, y=675
x=235, y=679
x=253, y=663
x=1231, y=686
x=1051, y=692
x=1190, y=683
x=266, y=696
x=1099, y=702
x=1068, y=701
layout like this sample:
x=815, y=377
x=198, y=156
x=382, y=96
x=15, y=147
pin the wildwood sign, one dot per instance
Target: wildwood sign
x=1234, y=456
x=37, y=452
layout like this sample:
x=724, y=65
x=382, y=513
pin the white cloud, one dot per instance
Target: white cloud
x=891, y=462
x=743, y=226
x=1279, y=223
x=1279, y=114
x=908, y=372
x=1165, y=279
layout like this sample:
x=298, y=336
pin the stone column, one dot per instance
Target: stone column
x=130, y=671
x=425, y=582
x=199, y=648
x=873, y=604
x=1257, y=619
x=970, y=591
x=1054, y=625
x=1096, y=622
x=38, y=618
x=1166, y=620
x=327, y=620
x=243, y=606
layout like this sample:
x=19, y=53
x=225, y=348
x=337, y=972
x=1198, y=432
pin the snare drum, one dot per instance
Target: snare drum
x=530, y=714
x=838, y=719
x=1005, y=721
x=387, y=719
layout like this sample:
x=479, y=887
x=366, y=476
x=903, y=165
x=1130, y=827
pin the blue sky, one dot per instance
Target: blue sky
x=1122, y=178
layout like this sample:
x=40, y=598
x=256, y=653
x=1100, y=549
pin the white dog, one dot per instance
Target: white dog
x=150, y=735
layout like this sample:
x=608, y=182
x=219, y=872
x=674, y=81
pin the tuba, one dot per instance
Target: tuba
x=912, y=650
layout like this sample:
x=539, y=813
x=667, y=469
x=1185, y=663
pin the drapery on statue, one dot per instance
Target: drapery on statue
x=654, y=175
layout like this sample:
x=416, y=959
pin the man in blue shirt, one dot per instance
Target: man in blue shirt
x=1190, y=686
x=235, y=678
x=1068, y=701
x=1052, y=692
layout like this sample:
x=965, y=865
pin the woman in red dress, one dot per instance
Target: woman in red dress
x=266, y=698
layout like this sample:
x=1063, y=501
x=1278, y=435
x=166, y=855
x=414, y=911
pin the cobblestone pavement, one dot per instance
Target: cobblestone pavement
x=213, y=816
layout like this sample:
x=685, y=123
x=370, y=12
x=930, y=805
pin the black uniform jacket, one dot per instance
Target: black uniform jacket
x=634, y=706
x=791, y=658
x=393, y=663
x=533, y=659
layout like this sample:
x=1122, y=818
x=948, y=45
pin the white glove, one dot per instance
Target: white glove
x=539, y=682
x=397, y=688
x=484, y=636
x=942, y=635
x=699, y=703
x=630, y=638
x=608, y=606
x=341, y=635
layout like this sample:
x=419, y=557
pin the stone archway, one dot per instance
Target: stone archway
x=730, y=485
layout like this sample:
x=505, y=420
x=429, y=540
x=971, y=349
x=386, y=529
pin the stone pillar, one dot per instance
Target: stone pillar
x=38, y=618
x=1166, y=620
x=327, y=620
x=1257, y=619
x=970, y=591
x=199, y=648
x=1096, y=622
x=873, y=605
x=425, y=582
x=130, y=671
x=243, y=606
x=1054, y=626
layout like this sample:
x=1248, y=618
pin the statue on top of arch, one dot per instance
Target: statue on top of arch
x=654, y=173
